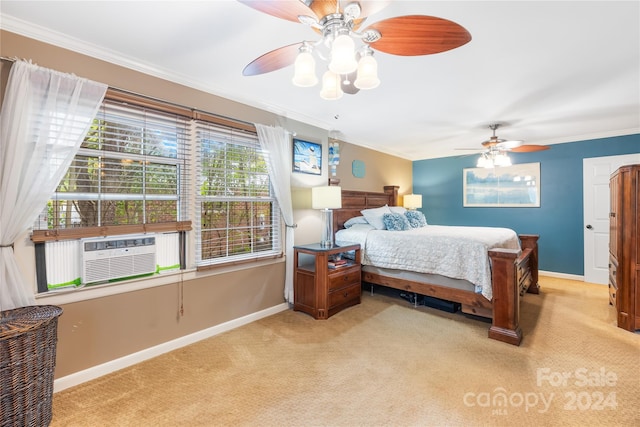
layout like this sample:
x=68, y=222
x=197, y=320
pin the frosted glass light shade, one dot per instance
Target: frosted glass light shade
x=331, y=88
x=502, y=159
x=367, y=73
x=343, y=55
x=304, y=74
x=412, y=201
x=484, y=162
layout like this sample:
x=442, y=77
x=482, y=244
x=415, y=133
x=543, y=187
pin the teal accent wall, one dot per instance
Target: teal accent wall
x=558, y=220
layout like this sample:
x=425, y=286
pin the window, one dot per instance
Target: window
x=131, y=169
x=239, y=217
x=132, y=174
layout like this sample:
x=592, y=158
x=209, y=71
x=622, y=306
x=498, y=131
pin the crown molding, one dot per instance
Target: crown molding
x=45, y=35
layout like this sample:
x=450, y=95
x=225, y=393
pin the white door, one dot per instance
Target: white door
x=596, y=174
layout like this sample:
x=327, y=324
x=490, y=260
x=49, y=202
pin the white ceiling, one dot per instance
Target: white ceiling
x=550, y=71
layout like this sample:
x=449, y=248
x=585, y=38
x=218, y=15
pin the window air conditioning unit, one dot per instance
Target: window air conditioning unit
x=110, y=258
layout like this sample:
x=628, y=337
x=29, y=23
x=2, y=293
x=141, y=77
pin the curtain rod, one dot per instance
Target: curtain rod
x=231, y=119
x=14, y=59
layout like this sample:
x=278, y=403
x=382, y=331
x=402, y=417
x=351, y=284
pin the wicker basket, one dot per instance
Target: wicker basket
x=28, y=339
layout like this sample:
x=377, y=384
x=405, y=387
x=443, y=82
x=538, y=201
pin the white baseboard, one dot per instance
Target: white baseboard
x=561, y=275
x=140, y=356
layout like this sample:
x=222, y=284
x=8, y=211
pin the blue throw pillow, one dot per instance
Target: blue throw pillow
x=395, y=222
x=416, y=219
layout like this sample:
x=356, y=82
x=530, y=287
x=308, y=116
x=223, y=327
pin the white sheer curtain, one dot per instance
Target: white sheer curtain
x=276, y=141
x=45, y=116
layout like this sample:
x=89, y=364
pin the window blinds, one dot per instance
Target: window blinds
x=239, y=216
x=132, y=168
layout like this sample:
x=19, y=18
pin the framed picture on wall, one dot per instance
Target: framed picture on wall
x=516, y=186
x=307, y=157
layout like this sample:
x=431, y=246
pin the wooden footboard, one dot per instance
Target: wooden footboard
x=512, y=274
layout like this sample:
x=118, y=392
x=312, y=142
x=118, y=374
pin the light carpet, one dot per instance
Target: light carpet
x=385, y=363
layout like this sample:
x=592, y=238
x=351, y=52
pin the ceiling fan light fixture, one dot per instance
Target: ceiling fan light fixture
x=501, y=160
x=343, y=56
x=304, y=72
x=331, y=89
x=484, y=162
x=367, y=71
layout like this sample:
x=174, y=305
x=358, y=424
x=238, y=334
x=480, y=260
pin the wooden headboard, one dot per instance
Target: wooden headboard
x=355, y=201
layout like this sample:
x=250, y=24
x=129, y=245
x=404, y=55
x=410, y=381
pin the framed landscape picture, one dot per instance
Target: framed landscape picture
x=307, y=157
x=509, y=186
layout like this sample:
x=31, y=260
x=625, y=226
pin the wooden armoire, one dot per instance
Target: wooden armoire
x=624, y=246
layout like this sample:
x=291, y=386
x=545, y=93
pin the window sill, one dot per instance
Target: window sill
x=71, y=295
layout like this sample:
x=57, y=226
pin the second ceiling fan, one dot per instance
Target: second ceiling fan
x=339, y=24
x=517, y=146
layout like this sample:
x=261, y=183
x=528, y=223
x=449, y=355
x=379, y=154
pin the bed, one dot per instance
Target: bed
x=512, y=268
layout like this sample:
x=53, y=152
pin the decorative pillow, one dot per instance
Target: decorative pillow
x=416, y=219
x=374, y=216
x=395, y=222
x=355, y=220
x=397, y=209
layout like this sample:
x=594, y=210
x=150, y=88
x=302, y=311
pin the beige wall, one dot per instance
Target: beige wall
x=94, y=331
x=380, y=170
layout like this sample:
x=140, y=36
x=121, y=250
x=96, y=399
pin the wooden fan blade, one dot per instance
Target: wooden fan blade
x=322, y=8
x=414, y=35
x=289, y=10
x=529, y=148
x=272, y=61
x=505, y=144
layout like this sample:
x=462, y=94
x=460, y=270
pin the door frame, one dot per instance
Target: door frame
x=590, y=272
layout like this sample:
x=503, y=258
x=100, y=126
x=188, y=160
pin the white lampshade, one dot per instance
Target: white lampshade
x=367, y=72
x=343, y=55
x=412, y=201
x=331, y=88
x=328, y=197
x=304, y=74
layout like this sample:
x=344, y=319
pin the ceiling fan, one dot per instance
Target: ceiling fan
x=338, y=20
x=495, y=149
x=517, y=146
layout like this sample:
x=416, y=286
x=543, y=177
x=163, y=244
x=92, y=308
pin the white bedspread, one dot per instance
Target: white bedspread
x=457, y=252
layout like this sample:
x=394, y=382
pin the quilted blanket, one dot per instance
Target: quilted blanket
x=452, y=251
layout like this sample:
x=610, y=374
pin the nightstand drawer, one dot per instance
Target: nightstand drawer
x=344, y=295
x=344, y=278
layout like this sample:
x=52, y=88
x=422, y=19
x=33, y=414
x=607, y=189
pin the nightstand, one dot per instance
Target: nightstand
x=322, y=291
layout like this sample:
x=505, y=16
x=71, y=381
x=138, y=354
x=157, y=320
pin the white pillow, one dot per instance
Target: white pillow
x=398, y=209
x=374, y=216
x=355, y=220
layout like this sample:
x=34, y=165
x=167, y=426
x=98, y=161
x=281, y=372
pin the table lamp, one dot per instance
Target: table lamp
x=326, y=198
